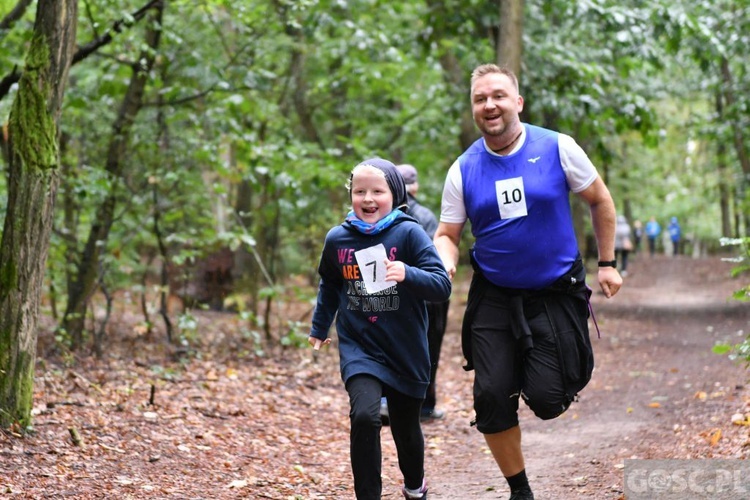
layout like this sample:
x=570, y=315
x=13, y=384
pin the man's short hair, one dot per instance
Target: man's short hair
x=487, y=69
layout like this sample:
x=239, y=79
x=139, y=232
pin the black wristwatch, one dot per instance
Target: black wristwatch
x=608, y=263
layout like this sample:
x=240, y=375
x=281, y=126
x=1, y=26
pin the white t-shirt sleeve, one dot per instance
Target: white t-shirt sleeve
x=452, y=208
x=579, y=171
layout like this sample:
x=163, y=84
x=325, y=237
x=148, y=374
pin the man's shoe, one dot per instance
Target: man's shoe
x=420, y=494
x=522, y=494
x=384, y=417
x=433, y=414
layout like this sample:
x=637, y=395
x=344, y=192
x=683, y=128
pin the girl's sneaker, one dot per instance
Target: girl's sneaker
x=420, y=494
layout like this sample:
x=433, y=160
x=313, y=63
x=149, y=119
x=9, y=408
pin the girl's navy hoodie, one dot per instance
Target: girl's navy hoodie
x=382, y=334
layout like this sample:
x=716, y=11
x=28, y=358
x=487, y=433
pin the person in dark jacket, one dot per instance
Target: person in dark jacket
x=437, y=312
x=675, y=234
x=377, y=271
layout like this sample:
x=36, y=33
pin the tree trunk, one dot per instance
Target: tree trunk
x=34, y=176
x=510, y=35
x=83, y=284
x=454, y=74
x=722, y=170
x=458, y=80
x=245, y=267
x=739, y=139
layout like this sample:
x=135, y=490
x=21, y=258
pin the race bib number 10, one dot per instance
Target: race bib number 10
x=511, y=198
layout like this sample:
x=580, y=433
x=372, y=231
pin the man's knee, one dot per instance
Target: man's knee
x=547, y=406
x=495, y=414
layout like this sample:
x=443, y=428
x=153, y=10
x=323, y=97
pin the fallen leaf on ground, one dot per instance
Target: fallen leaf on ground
x=237, y=483
x=714, y=436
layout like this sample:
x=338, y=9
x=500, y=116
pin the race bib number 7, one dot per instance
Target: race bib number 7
x=371, y=263
x=511, y=198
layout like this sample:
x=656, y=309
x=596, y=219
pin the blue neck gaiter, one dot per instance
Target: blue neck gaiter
x=366, y=228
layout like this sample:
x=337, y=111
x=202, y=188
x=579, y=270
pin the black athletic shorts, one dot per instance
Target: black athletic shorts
x=547, y=373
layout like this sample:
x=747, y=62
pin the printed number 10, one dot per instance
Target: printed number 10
x=512, y=197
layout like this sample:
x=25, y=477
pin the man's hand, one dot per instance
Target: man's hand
x=450, y=268
x=447, y=238
x=610, y=281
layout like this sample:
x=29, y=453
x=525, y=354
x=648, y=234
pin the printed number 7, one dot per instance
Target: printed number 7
x=374, y=269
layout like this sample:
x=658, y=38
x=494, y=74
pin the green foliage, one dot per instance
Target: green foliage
x=250, y=334
x=740, y=351
x=296, y=335
x=15, y=41
x=165, y=373
x=257, y=111
x=742, y=265
x=589, y=69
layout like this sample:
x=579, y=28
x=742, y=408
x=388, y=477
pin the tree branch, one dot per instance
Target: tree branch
x=86, y=50
x=8, y=80
x=14, y=15
x=91, y=47
x=90, y=15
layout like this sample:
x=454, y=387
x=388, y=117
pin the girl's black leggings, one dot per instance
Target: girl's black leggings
x=365, y=392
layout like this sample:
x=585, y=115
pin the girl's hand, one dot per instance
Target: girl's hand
x=316, y=343
x=395, y=271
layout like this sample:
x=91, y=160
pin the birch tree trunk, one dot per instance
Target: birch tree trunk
x=33, y=166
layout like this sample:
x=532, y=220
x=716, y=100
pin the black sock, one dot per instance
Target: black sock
x=518, y=481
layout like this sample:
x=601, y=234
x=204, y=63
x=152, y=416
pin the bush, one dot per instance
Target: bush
x=739, y=351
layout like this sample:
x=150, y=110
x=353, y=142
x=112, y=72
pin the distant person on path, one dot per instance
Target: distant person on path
x=437, y=312
x=653, y=230
x=637, y=235
x=528, y=306
x=623, y=244
x=377, y=269
x=675, y=234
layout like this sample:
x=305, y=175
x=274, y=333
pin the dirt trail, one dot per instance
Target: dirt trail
x=229, y=425
x=657, y=391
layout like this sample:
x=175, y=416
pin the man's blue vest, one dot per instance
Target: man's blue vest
x=519, y=210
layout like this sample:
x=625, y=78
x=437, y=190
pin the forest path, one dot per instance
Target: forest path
x=229, y=423
x=657, y=391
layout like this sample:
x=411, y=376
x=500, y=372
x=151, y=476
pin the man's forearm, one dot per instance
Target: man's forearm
x=603, y=220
